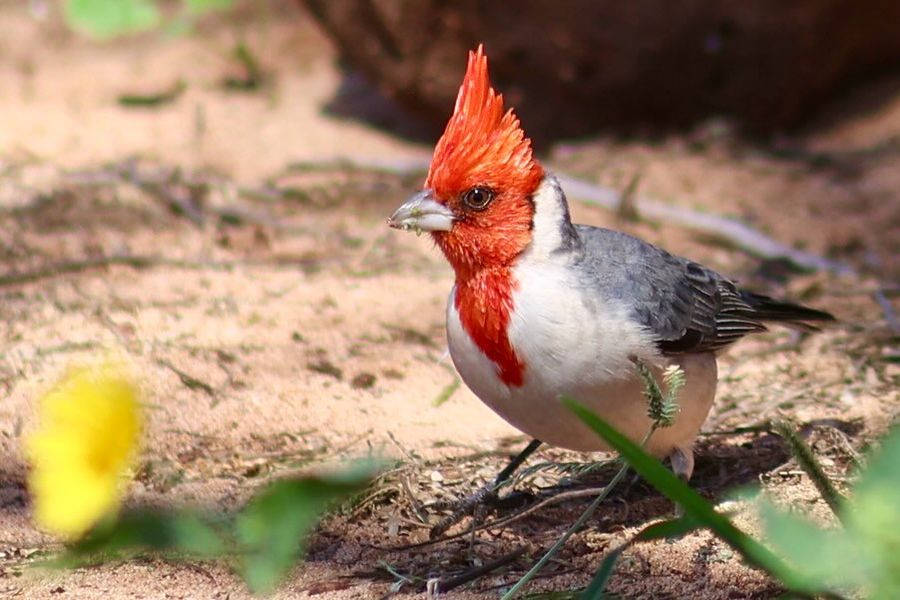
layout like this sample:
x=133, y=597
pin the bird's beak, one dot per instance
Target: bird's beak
x=422, y=213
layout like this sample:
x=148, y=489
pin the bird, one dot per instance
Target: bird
x=543, y=308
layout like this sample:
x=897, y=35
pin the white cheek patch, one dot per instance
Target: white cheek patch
x=549, y=215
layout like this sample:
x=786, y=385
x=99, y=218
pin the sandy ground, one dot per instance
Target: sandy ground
x=279, y=325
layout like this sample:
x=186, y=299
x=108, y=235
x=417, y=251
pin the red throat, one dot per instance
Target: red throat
x=483, y=145
x=484, y=303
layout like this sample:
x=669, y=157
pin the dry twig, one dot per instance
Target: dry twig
x=436, y=586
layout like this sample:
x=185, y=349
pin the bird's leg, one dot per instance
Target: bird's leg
x=466, y=505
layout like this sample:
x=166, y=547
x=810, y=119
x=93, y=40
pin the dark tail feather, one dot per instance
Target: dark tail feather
x=790, y=315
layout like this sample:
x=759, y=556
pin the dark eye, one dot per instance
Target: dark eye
x=477, y=198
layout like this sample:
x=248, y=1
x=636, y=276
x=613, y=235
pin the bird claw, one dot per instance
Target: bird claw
x=474, y=504
x=466, y=506
x=486, y=495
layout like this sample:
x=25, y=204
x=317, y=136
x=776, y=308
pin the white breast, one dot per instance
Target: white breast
x=575, y=345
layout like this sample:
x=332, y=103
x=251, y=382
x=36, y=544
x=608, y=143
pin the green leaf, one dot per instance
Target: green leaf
x=694, y=506
x=274, y=526
x=874, y=519
x=673, y=528
x=864, y=557
x=202, y=6
x=829, y=557
x=663, y=529
x=877, y=494
x=104, y=19
x=596, y=588
x=137, y=531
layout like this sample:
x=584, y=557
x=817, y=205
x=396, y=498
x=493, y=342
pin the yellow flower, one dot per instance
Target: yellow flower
x=86, y=440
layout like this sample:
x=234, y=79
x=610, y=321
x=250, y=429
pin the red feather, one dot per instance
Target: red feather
x=484, y=303
x=481, y=144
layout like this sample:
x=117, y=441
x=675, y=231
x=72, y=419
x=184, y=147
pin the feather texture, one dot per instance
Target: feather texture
x=482, y=144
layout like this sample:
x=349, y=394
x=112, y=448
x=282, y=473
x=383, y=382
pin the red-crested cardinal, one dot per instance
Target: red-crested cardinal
x=544, y=308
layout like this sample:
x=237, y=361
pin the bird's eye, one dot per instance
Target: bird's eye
x=477, y=198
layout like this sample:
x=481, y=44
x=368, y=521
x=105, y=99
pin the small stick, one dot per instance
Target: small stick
x=188, y=380
x=555, y=499
x=437, y=586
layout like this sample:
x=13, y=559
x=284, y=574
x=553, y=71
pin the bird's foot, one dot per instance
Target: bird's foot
x=463, y=507
x=476, y=504
x=484, y=496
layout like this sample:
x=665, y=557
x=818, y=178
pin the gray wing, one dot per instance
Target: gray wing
x=687, y=307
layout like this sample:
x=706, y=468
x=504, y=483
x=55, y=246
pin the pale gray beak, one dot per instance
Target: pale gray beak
x=422, y=213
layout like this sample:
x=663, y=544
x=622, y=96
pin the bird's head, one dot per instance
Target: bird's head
x=477, y=200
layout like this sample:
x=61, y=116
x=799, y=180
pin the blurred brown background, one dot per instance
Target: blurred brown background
x=580, y=66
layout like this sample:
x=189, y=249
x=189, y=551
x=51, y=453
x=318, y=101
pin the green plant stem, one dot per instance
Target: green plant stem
x=808, y=462
x=571, y=530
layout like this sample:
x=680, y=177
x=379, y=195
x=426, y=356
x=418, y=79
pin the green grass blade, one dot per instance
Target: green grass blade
x=135, y=532
x=807, y=461
x=595, y=590
x=511, y=593
x=672, y=528
x=663, y=529
x=694, y=505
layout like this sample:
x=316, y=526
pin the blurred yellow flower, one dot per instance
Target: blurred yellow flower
x=86, y=440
